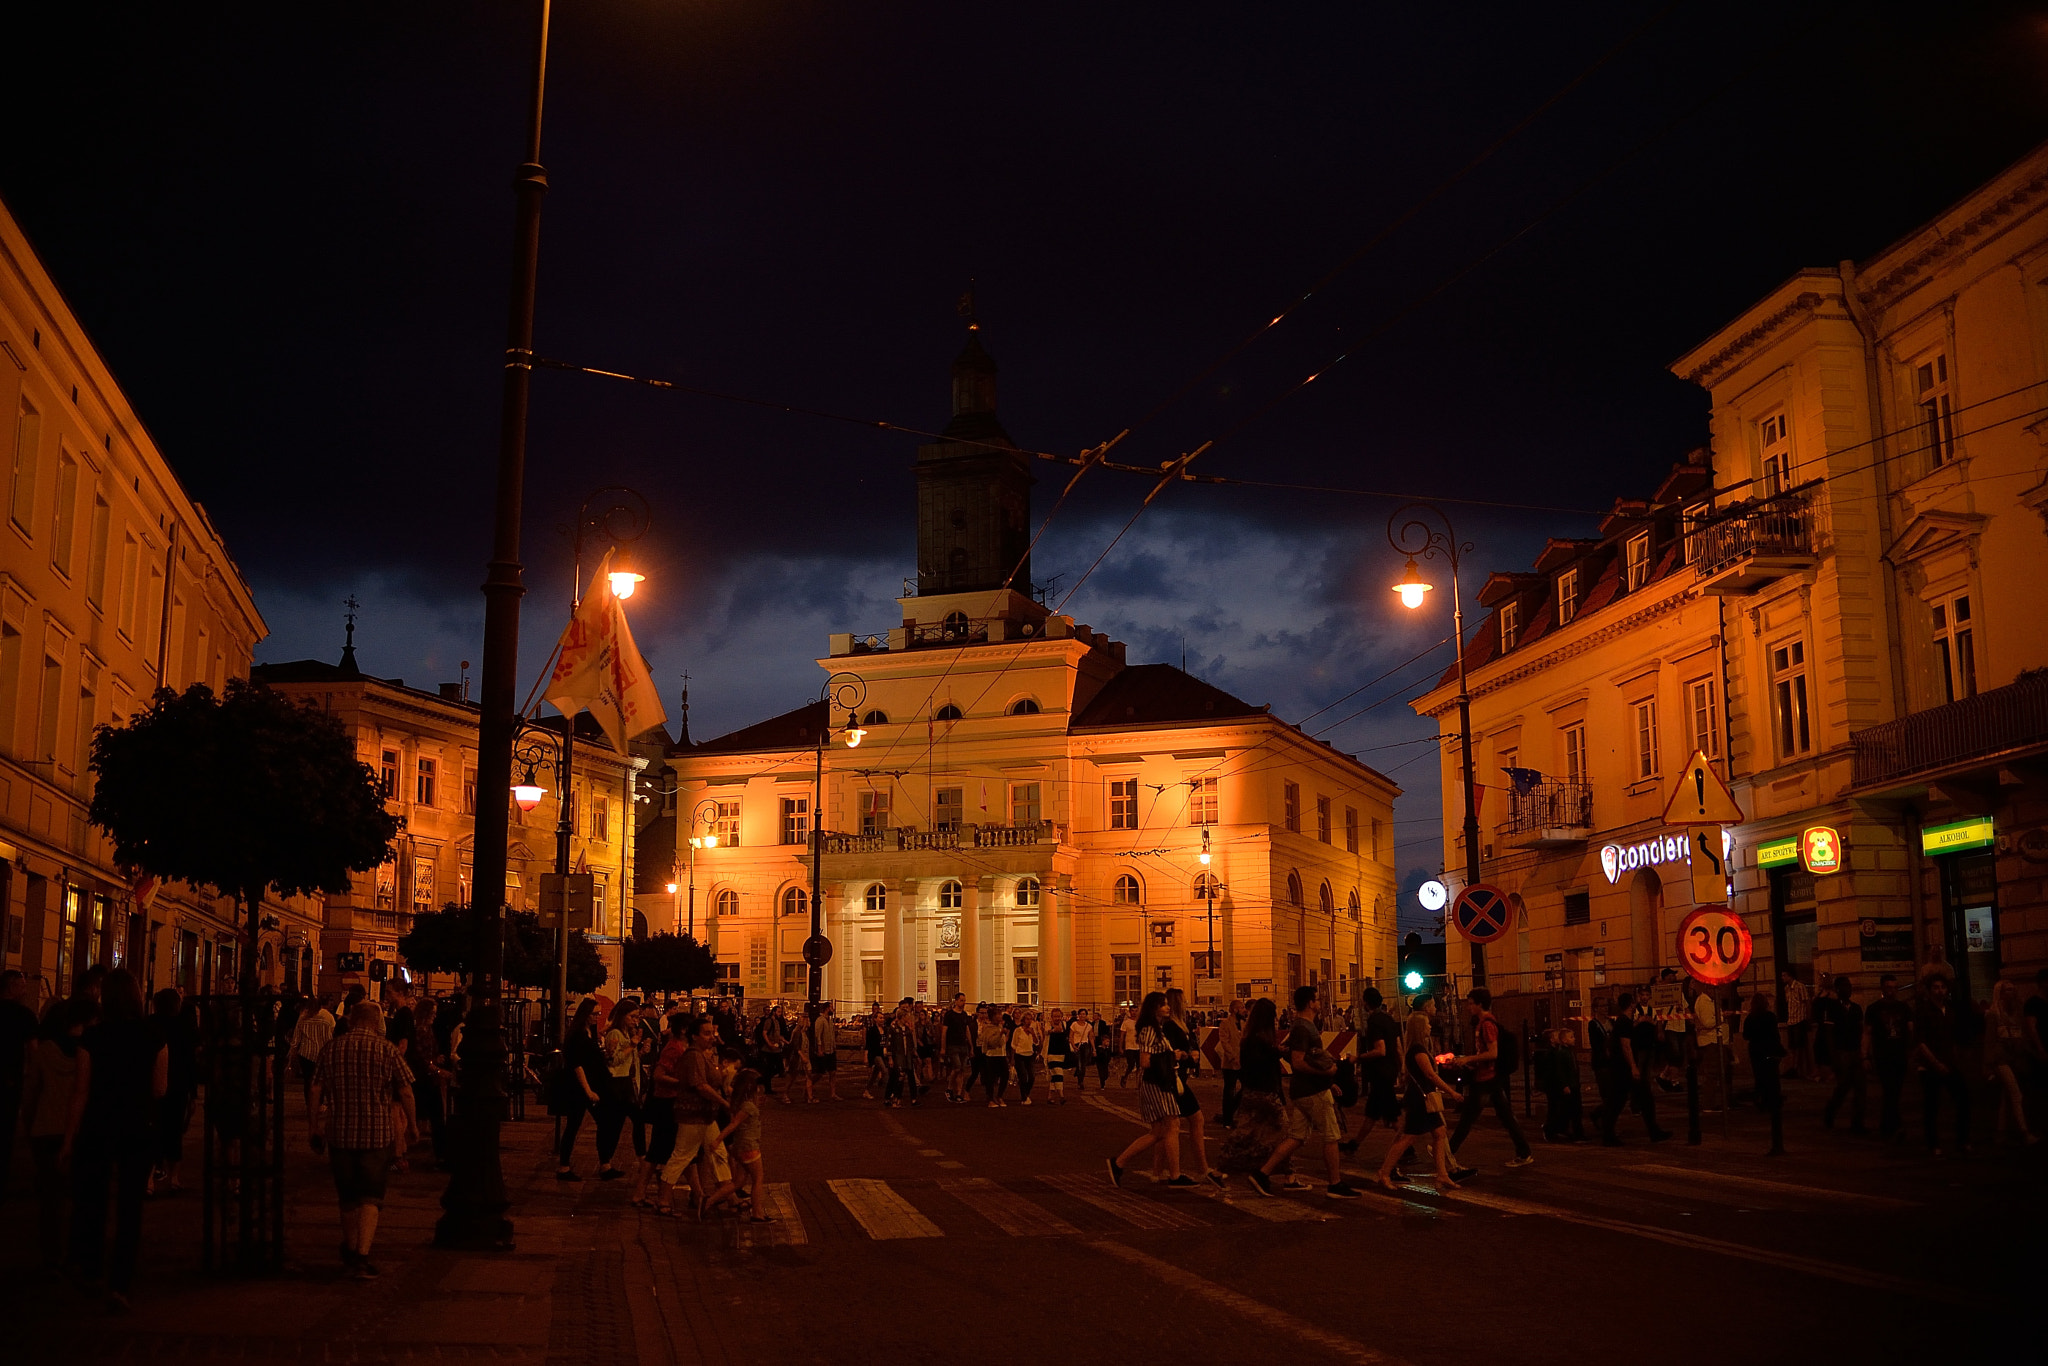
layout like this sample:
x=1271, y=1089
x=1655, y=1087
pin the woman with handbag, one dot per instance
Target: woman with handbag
x=619, y=1099
x=1024, y=1046
x=1423, y=1109
x=1158, y=1097
x=1180, y=1036
x=584, y=1069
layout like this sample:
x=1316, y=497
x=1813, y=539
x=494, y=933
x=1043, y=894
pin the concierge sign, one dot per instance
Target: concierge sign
x=1616, y=859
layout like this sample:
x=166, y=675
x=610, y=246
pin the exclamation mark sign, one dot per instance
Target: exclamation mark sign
x=1699, y=784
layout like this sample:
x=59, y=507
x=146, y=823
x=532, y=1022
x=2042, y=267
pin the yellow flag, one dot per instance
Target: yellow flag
x=601, y=669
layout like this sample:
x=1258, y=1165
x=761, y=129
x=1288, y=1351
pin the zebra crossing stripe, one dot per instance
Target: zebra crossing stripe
x=1278, y=1211
x=1007, y=1210
x=1145, y=1214
x=881, y=1211
x=1121, y=1112
x=779, y=1204
x=1789, y=1189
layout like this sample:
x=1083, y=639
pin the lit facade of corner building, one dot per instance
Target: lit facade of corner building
x=113, y=583
x=1025, y=816
x=1861, y=570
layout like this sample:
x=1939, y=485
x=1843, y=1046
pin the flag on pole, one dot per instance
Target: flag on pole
x=600, y=668
x=143, y=888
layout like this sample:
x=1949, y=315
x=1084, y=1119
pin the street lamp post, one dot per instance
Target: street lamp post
x=705, y=815
x=1413, y=531
x=1209, y=898
x=475, y=1204
x=840, y=690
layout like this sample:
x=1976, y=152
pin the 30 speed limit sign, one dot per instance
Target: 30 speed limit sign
x=1714, y=944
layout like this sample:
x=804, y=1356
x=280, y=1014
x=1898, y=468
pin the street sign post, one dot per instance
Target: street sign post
x=573, y=893
x=1481, y=913
x=818, y=952
x=1699, y=797
x=1714, y=944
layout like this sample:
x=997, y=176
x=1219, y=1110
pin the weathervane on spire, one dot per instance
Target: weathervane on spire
x=966, y=306
x=348, y=646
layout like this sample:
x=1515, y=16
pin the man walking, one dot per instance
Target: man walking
x=1127, y=1040
x=359, y=1077
x=1616, y=1070
x=824, y=1045
x=1379, y=1062
x=1485, y=1083
x=1845, y=1051
x=957, y=1029
x=1311, y=1110
x=1229, y=1040
x=309, y=1038
x=1890, y=1022
x=1934, y=1035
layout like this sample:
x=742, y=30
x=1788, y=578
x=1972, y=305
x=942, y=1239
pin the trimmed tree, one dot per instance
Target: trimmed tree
x=668, y=963
x=446, y=940
x=245, y=793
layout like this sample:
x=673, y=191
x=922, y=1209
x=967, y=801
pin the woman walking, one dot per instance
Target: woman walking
x=123, y=1070
x=796, y=1066
x=1024, y=1046
x=1260, y=1121
x=992, y=1047
x=1180, y=1036
x=1080, y=1047
x=1422, y=1113
x=665, y=1081
x=584, y=1070
x=1056, y=1058
x=902, y=1058
x=1158, y=1100
x=620, y=1095
x=2005, y=1056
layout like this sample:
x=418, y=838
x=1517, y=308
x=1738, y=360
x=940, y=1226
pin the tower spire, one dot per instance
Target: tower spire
x=348, y=647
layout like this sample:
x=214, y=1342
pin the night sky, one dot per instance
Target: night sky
x=288, y=229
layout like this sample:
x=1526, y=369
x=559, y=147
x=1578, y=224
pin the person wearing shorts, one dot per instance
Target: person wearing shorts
x=358, y=1081
x=1311, y=1114
x=697, y=1106
x=957, y=1026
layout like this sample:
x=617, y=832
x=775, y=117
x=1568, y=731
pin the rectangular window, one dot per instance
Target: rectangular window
x=1937, y=431
x=387, y=774
x=1638, y=561
x=1701, y=694
x=1510, y=624
x=1955, y=647
x=28, y=441
x=53, y=703
x=1202, y=801
x=1124, y=970
x=387, y=885
x=1293, y=972
x=1325, y=974
x=796, y=979
x=726, y=825
x=796, y=820
x=10, y=686
x=64, y=517
x=1025, y=970
x=131, y=563
x=1322, y=818
x=1774, y=447
x=757, y=959
x=601, y=819
x=874, y=811
x=949, y=808
x=1350, y=829
x=1567, y=595
x=96, y=556
x=1375, y=837
x=1578, y=908
x=871, y=979
x=1694, y=518
x=1788, y=693
x=1026, y=807
x=1646, y=738
x=423, y=782
x=88, y=707
x=1290, y=806
x=468, y=791
x=1123, y=803
x=1575, y=754
x=422, y=885
x=1206, y=962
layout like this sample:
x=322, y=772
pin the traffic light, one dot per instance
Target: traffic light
x=1421, y=970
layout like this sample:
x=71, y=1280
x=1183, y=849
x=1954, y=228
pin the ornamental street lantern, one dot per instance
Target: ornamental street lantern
x=1411, y=587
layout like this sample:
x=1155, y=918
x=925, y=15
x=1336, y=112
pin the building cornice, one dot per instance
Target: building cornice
x=1705, y=372
x=1592, y=640
x=1962, y=237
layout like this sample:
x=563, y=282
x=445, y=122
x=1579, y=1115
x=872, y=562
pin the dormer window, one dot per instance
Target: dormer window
x=1638, y=563
x=1510, y=624
x=1567, y=595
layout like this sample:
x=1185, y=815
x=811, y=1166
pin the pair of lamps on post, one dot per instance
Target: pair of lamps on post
x=528, y=791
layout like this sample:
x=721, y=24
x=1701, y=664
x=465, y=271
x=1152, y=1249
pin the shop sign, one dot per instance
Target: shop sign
x=1616, y=859
x=1778, y=852
x=1975, y=833
x=1820, y=850
x=1885, y=939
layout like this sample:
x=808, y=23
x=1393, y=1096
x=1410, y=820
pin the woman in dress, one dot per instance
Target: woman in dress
x=1158, y=1097
x=1260, y=1121
x=1422, y=1113
x=578, y=1089
x=2005, y=1056
x=1180, y=1035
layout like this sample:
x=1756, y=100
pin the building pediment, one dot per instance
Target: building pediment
x=1931, y=533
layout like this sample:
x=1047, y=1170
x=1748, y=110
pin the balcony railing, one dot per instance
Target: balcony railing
x=1555, y=811
x=1991, y=723
x=1772, y=530
x=910, y=840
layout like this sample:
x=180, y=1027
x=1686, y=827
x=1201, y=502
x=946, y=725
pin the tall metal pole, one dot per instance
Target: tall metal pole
x=565, y=823
x=475, y=1203
x=843, y=690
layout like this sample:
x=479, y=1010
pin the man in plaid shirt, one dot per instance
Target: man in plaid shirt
x=359, y=1077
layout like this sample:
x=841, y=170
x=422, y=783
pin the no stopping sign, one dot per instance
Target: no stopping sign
x=1714, y=945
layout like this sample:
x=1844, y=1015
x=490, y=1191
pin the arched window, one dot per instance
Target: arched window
x=955, y=624
x=1024, y=706
x=951, y=897
x=1206, y=887
x=796, y=901
x=1353, y=905
x=1326, y=900
x=1128, y=892
x=878, y=897
x=1027, y=891
x=728, y=902
x=949, y=712
x=1294, y=889
x=639, y=925
x=875, y=718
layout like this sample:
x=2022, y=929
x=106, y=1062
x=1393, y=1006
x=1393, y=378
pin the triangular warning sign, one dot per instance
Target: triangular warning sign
x=1699, y=797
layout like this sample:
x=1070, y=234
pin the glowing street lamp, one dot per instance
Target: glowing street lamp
x=854, y=733
x=1412, y=587
x=622, y=575
x=528, y=792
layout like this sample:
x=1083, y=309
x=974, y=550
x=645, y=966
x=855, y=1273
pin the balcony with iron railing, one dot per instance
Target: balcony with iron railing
x=908, y=839
x=1972, y=732
x=1552, y=814
x=1747, y=547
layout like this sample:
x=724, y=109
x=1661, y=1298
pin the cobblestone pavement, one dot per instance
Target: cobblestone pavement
x=942, y=1231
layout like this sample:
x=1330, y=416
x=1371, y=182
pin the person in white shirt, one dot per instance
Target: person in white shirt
x=309, y=1036
x=1127, y=1039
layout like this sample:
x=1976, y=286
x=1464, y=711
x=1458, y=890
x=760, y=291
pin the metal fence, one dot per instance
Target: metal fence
x=1554, y=804
x=1779, y=525
x=2007, y=718
x=243, y=1063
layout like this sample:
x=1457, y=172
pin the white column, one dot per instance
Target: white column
x=1055, y=943
x=892, y=941
x=971, y=940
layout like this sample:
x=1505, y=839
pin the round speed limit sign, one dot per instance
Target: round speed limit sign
x=1714, y=944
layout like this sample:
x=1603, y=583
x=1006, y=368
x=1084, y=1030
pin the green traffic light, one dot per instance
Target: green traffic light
x=1413, y=981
